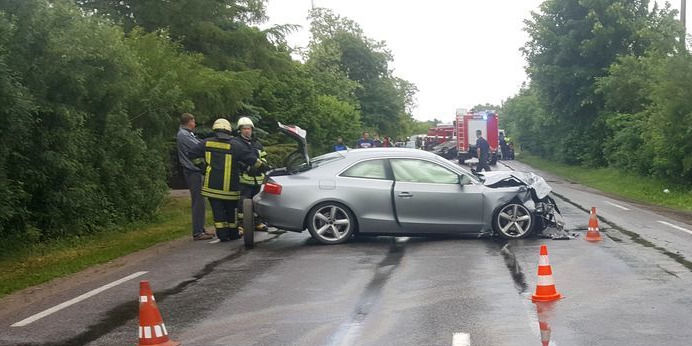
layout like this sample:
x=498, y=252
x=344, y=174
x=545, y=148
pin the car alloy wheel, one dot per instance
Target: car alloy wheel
x=514, y=221
x=331, y=224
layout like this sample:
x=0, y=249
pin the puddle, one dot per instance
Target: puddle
x=514, y=269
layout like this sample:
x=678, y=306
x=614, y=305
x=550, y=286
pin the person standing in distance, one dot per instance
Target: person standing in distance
x=340, y=146
x=483, y=151
x=186, y=141
x=365, y=142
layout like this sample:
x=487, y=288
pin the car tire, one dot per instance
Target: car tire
x=331, y=223
x=513, y=221
x=248, y=224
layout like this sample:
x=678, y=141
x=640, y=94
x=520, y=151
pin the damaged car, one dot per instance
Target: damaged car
x=398, y=191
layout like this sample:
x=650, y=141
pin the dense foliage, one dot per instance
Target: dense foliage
x=91, y=91
x=610, y=85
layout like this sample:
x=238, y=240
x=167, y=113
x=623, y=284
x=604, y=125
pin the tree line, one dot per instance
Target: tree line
x=610, y=85
x=91, y=91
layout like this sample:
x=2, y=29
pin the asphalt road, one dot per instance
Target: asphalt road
x=633, y=288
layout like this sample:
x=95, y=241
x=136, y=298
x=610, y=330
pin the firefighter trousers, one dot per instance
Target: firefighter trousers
x=225, y=218
x=246, y=191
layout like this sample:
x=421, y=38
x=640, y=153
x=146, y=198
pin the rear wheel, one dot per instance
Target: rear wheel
x=513, y=221
x=248, y=224
x=331, y=223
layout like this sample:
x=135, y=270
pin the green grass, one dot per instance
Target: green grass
x=617, y=182
x=34, y=264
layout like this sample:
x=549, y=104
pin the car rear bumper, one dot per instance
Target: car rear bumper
x=274, y=214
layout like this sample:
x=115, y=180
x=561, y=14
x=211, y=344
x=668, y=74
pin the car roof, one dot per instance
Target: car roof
x=387, y=152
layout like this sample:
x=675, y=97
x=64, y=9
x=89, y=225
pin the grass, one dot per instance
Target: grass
x=38, y=263
x=617, y=182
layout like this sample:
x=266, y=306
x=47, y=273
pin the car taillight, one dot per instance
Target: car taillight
x=272, y=188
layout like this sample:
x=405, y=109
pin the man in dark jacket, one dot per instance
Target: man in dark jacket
x=223, y=156
x=186, y=141
x=251, y=179
x=483, y=151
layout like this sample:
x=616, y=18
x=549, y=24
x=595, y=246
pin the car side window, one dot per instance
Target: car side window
x=419, y=171
x=372, y=169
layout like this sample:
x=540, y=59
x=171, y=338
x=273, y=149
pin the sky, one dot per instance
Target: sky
x=459, y=53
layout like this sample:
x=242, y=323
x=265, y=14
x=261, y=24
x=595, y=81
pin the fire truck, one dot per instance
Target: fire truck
x=466, y=125
x=441, y=133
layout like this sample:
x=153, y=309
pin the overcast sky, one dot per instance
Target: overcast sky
x=458, y=52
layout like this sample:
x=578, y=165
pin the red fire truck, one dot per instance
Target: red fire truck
x=441, y=133
x=466, y=126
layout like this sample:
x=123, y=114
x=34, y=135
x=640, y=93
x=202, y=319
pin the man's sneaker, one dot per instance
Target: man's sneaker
x=203, y=236
x=261, y=227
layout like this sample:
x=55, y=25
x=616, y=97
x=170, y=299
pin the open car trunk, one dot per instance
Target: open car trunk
x=298, y=160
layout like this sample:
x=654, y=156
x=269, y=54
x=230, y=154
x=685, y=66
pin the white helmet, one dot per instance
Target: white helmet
x=222, y=125
x=245, y=121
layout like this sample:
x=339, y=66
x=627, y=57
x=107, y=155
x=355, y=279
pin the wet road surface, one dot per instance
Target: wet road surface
x=391, y=291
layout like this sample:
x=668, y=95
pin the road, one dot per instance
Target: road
x=633, y=288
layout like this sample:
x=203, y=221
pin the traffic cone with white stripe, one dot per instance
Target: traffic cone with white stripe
x=545, y=287
x=543, y=323
x=593, y=233
x=152, y=331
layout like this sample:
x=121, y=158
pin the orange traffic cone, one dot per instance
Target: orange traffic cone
x=152, y=331
x=545, y=287
x=593, y=234
x=543, y=324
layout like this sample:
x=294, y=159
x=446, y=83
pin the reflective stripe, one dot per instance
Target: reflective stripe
x=227, y=173
x=220, y=192
x=157, y=331
x=147, y=332
x=543, y=260
x=545, y=281
x=143, y=299
x=163, y=326
x=217, y=145
x=221, y=224
x=207, y=176
x=141, y=333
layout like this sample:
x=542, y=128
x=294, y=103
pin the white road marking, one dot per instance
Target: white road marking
x=675, y=226
x=461, y=339
x=75, y=300
x=618, y=206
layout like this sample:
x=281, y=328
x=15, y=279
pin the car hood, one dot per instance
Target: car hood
x=513, y=178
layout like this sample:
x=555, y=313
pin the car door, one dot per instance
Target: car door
x=429, y=198
x=367, y=188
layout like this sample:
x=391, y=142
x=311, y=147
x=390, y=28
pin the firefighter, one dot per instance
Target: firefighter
x=251, y=179
x=223, y=155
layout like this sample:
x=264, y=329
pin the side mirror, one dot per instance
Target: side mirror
x=465, y=180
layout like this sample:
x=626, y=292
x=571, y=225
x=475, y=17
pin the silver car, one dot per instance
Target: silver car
x=398, y=191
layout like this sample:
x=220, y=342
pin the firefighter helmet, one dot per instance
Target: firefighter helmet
x=245, y=121
x=222, y=125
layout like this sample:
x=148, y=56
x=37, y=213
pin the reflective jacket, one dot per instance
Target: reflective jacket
x=250, y=175
x=223, y=156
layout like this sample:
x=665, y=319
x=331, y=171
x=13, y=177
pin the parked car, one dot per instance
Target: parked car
x=399, y=191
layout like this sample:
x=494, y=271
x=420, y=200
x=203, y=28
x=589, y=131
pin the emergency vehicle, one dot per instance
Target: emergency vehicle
x=441, y=133
x=466, y=126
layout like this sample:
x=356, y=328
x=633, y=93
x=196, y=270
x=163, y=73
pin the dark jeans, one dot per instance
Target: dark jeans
x=225, y=218
x=194, y=183
x=483, y=164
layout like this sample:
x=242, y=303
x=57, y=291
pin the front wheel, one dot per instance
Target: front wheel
x=331, y=223
x=248, y=224
x=513, y=221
